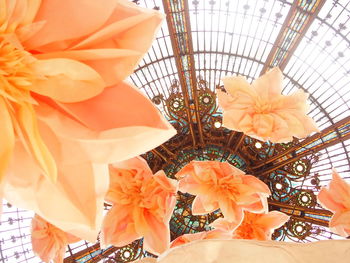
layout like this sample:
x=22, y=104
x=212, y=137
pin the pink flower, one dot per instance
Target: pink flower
x=220, y=185
x=253, y=226
x=65, y=110
x=260, y=111
x=142, y=206
x=49, y=242
x=336, y=198
x=212, y=234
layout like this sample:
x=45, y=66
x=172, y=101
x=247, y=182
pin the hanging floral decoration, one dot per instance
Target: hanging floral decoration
x=221, y=185
x=72, y=122
x=260, y=110
x=336, y=198
x=143, y=203
x=49, y=242
x=66, y=111
x=254, y=226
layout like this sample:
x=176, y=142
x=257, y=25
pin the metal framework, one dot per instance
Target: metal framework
x=301, y=15
x=181, y=38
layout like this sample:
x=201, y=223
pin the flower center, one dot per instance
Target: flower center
x=16, y=75
x=54, y=232
x=263, y=107
x=226, y=187
x=248, y=227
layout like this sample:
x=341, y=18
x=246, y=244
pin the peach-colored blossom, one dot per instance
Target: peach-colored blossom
x=212, y=234
x=220, y=185
x=65, y=109
x=49, y=242
x=336, y=198
x=260, y=111
x=142, y=206
x=254, y=226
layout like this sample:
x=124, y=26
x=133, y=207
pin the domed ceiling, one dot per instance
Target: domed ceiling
x=199, y=43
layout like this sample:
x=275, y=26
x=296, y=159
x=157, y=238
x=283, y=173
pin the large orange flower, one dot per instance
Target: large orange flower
x=65, y=111
x=142, y=206
x=337, y=199
x=260, y=111
x=220, y=185
x=212, y=234
x=49, y=242
x=254, y=226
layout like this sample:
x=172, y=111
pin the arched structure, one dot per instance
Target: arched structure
x=199, y=43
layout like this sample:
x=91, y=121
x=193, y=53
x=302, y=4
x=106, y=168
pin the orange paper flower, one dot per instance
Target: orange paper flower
x=142, y=206
x=336, y=198
x=253, y=226
x=212, y=234
x=65, y=110
x=220, y=185
x=49, y=242
x=260, y=111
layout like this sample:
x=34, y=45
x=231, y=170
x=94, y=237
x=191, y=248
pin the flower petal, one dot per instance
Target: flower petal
x=124, y=101
x=63, y=203
x=224, y=225
x=139, y=215
x=337, y=196
x=326, y=200
x=113, y=65
x=257, y=184
x=269, y=85
x=157, y=240
x=118, y=228
x=66, y=80
x=167, y=183
x=72, y=239
x=246, y=125
x=105, y=138
x=233, y=117
x=272, y=220
x=202, y=205
x=7, y=139
x=137, y=163
x=340, y=223
x=32, y=8
x=295, y=123
x=340, y=189
x=263, y=125
x=80, y=19
x=260, y=206
x=19, y=13
x=239, y=84
x=225, y=100
x=231, y=211
x=127, y=23
x=29, y=127
x=48, y=241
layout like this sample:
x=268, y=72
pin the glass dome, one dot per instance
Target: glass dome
x=199, y=43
